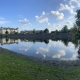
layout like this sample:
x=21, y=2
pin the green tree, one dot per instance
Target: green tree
x=65, y=29
x=34, y=30
x=41, y=31
x=6, y=32
x=78, y=19
x=74, y=29
x=52, y=31
x=56, y=31
x=65, y=42
x=46, y=31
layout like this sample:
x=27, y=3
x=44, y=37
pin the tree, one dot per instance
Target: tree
x=52, y=31
x=74, y=29
x=41, y=31
x=34, y=30
x=64, y=29
x=46, y=41
x=56, y=31
x=46, y=31
x=6, y=32
x=78, y=19
x=65, y=41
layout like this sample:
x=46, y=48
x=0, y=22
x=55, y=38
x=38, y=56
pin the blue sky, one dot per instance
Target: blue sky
x=38, y=14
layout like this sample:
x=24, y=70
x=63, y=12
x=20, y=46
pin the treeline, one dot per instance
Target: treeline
x=65, y=29
x=34, y=31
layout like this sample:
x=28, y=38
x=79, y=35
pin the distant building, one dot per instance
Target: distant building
x=8, y=30
x=31, y=32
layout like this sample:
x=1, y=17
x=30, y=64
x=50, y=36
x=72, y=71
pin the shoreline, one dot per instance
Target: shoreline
x=57, y=63
x=15, y=66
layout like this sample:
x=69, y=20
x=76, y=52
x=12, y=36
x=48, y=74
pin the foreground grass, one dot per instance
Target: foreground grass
x=15, y=67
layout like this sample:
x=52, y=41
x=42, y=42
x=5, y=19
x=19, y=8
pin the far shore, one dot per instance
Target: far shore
x=40, y=36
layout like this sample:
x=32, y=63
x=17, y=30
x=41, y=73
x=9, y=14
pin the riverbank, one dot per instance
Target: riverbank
x=14, y=66
x=39, y=36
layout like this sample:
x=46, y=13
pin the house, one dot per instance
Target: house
x=8, y=30
x=32, y=31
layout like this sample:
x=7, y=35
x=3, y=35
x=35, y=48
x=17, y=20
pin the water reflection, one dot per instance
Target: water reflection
x=59, y=54
x=24, y=47
x=8, y=41
x=36, y=40
x=65, y=49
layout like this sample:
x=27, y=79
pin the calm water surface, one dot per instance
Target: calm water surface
x=45, y=49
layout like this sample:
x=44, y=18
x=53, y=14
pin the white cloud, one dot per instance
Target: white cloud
x=43, y=13
x=53, y=27
x=75, y=1
x=24, y=22
x=59, y=54
x=42, y=51
x=73, y=57
x=3, y=21
x=1, y=18
x=69, y=22
x=66, y=7
x=24, y=47
x=57, y=14
x=58, y=26
x=41, y=19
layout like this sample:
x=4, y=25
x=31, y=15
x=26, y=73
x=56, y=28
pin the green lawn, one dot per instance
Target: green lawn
x=15, y=67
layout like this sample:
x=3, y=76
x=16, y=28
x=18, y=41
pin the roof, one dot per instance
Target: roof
x=9, y=28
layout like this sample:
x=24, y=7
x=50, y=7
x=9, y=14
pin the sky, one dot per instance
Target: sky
x=38, y=14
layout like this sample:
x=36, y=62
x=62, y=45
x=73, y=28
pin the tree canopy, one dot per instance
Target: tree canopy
x=78, y=18
x=74, y=29
x=46, y=31
x=65, y=29
x=6, y=32
x=34, y=30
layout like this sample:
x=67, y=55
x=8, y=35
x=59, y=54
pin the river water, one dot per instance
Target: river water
x=44, y=49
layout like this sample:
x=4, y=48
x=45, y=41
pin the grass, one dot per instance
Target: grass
x=16, y=67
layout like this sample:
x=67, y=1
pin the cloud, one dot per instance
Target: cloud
x=66, y=7
x=42, y=51
x=73, y=57
x=57, y=14
x=58, y=26
x=41, y=18
x=24, y=22
x=53, y=27
x=2, y=18
x=75, y=1
x=69, y=22
x=43, y=13
x=24, y=47
x=3, y=21
x=59, y=54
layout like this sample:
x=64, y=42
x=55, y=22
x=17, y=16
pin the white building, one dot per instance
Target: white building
x=8, y=30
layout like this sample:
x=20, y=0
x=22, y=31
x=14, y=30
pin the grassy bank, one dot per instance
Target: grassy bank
x=18, y=67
